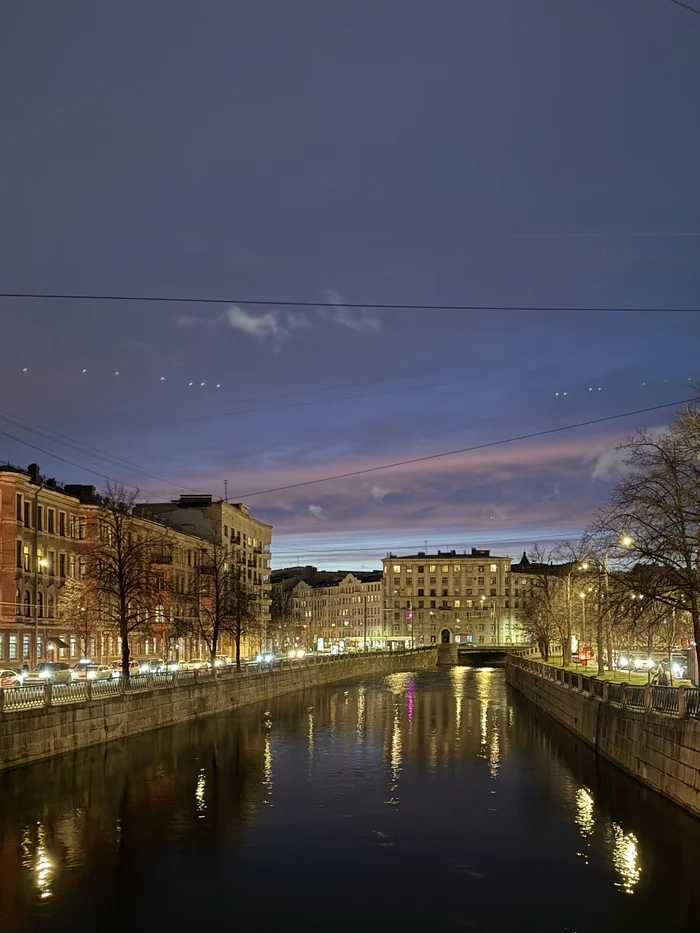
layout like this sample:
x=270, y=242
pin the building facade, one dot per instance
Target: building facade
x=248, y=539
x=45, y=531
x=346, y=614
x=444, y=597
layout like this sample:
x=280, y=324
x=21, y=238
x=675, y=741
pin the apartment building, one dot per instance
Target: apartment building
x=345, y=613
x=443, y=597
x=248, y=538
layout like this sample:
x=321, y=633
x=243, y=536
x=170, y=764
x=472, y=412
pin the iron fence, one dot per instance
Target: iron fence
x=51, y=694
x=664, y=700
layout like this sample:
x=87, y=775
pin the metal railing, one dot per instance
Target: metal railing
x=670, y=701
x=85, y=691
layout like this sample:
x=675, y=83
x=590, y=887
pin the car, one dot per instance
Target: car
x=79, y=670
x=198, y=664
x=10, y=678
x=99, y=672
x=150, y=665
x=116, y=668
x=58, y=672
x=223, y=660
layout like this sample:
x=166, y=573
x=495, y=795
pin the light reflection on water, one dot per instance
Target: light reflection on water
x=434, y=776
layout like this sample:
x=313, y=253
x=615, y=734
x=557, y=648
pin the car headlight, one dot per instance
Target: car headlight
x=143, y=669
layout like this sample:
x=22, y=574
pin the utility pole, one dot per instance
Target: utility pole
x=33, y=652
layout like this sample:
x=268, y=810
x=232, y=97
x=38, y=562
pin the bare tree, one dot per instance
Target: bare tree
x=79, y=606
x=656, y=508
x=243, y=617
x=542, y=601
x=208, y=605
x=285, y=618
x=123, y=553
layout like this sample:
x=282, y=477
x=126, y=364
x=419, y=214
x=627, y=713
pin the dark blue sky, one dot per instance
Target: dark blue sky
x=540, y=154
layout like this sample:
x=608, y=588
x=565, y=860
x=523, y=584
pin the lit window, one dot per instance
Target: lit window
x=456, y=568
x=397, y=568
x=445, y=568
x=457, y=603
x=494, y=568
x=433, y=568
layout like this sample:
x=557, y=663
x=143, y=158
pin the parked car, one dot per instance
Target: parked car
x=223, y=660
x=58, y=672
x=10, y=678
x=79, y=670
x=151, y=665
x=99, y=672
x=116, y=668
x=198, y=664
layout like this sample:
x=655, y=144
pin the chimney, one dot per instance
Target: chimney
x=34, y=473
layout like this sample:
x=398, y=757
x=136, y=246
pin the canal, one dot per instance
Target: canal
x=431, y=801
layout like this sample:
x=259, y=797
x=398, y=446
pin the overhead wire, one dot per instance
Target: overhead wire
x=462, y=450
x=375, y=306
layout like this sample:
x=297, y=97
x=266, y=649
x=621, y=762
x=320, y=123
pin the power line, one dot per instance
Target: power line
x=463, y=450
x=93, y=452
x=376, y=306
x=686, y=7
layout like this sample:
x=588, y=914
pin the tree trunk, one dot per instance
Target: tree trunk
x=125, y=652
x=695, y=616
x=600, y=647
x=610, y=651
x=238, y=649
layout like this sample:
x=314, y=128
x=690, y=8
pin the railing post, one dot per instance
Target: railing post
x=123, y=684
x=623, y=696
x=196, y=675
x=606, y=691
x=149, y=682
x=648, y=698
x=48, y=693
x=682, y=702
x=2, y=700
x=88, y=691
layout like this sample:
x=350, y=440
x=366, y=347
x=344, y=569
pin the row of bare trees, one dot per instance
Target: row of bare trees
x=129, y=589
x=634, y=577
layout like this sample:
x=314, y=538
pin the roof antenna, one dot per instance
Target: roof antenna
x=226, y=490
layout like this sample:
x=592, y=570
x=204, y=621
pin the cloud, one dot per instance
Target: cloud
x=610, y=465
x=318, y=512
x=260, y=326
x=358, y=320
x=379, y=494
x=297, y=320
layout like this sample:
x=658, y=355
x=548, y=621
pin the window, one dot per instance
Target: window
x=81, y=529
x=62, y=524
x=421, y=581
x=445, y=568
x=421, y=592
x=469, y=604
x=73, y=646
x=469, y=592
x=494, y=568
x=25, y=646
x=12, y=654
x=49, y=604
x=27, y=514
x=481, y=627
x=27, y=558
x=433, y=568
x=40, y=518
x=18, y=555
x=72, y=525
x=433, y=593
x=507, y=604
x=421, y=603
x=458, y=603
x=71, y=566
x=481, y=568
x=445, y=604
x=81, y=571
x=40, y=646
x=480, y=581
x=20, y=513
x=432, y=603
x=492, y=592
x=62, y=565
x=397, y=581
x=445, y=591
x=50, y=562
x=52, y=521
x=432, y=581
x=27, y=604
x=397, y=568
x=421, y=569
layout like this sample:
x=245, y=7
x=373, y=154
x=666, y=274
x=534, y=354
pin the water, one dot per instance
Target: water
x=430, y=801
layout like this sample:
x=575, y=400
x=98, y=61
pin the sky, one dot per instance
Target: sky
x=538, y=155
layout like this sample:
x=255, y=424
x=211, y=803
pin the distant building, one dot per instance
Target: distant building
x=338, y=609
x=468, y=598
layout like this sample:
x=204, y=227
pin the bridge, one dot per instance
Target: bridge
x=470, y=655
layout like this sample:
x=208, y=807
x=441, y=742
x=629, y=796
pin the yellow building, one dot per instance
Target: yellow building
x=444, y=597
x=344, y=614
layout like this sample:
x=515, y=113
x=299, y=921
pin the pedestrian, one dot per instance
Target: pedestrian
x=25, y=668
x=663, y=676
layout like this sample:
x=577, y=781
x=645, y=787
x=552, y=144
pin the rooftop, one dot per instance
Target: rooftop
x=441, y=555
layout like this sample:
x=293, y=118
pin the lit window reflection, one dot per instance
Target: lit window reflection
x=626, y=858
x=584, y=812
x=200, y=793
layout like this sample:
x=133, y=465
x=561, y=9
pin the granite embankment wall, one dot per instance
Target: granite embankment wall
x=662, y=750
x=42, y=731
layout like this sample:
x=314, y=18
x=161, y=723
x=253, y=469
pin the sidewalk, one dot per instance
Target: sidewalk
x=591, y=670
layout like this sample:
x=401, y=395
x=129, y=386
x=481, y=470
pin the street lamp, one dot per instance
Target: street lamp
x=626, y=541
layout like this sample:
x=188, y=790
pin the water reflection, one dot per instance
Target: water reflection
x=436, y=776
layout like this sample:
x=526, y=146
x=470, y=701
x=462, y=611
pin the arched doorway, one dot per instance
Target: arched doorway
x=445, y=636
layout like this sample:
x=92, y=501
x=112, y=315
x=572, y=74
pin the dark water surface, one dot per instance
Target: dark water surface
x=431, y=801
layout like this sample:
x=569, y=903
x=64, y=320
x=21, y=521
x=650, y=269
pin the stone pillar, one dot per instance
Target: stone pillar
x=606, y=691
x=648, y=698
x=623, y=696
x=682, y=702
x=48, y=693
x=88, y=691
